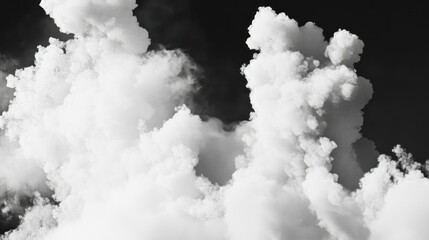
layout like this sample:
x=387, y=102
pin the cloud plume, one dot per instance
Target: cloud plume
x=99, y=138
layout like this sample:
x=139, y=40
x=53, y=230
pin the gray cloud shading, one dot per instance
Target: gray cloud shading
x=6, y=94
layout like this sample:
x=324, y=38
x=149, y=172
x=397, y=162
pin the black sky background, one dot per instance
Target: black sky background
x=213, y=33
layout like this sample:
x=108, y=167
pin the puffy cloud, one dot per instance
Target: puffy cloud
x=344, y=48
x=100, y=137
x=271, y=32
x=405, y=211
x=112, y=20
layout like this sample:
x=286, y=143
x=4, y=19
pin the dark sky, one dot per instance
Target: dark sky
x=213, y=33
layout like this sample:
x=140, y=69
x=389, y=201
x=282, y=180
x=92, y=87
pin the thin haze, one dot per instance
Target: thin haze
x=98, y=140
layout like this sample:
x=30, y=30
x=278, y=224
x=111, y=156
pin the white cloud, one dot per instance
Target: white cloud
x=103, y=123
x=344, y=48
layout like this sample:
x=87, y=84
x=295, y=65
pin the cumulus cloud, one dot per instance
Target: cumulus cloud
x=99, y=136
x=111, y=19
x=344, y=48
x=273, y=32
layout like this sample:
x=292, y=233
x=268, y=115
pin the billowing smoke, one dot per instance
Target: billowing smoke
x=98, y=142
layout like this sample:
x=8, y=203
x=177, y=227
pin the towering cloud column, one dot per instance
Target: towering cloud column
x=103, y=121
x=307, y=106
